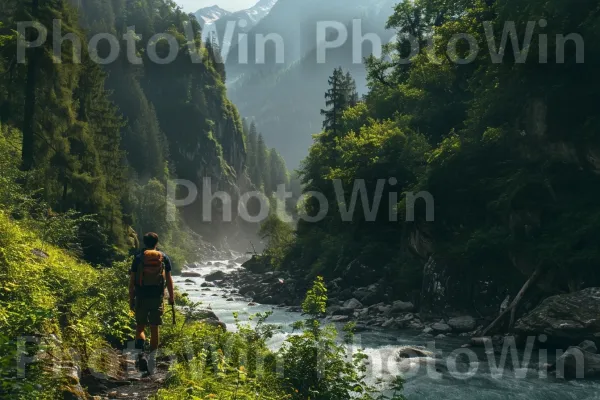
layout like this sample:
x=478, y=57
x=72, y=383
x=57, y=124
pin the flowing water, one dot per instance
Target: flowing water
x=470, y=380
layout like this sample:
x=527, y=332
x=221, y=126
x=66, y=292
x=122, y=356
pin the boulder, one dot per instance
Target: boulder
x=200, y=315
x=401, y=306
x=589, y=346
x=340, y=318
x=440, y=327
x=415, y=324
x=207, y=285
x=577, y=363
x=390, y=323
x=462, y=324
x=256, y=265
x=215, y=276
x=250, y=290
x=413, y=352
x=353, y=304
x=189, y=281
x=566, y=319
x=191, y=274
x=348, y=311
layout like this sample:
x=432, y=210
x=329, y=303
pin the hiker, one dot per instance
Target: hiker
x=149, y=274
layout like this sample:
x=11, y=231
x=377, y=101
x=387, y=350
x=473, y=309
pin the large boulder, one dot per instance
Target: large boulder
x=566, y=319
x=353, y=304
x=462, y=324
x=441, y=327
x=402, y=306
x=257, y=265
x=414, y=352
x=215, y=276
x=191, y=274
x=577, y=363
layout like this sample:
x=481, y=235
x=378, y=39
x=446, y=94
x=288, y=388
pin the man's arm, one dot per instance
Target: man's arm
x=170, y=288
x=132, y=273
x=131, y=290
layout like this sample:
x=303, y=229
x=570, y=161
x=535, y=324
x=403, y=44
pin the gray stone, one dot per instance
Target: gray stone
x=414, y=352
x=402, y=306
x=566, y=318
x=215, y=276
x=440, y=327
x=353, y=303
x=340, y=318
x=347, y=311
x=462, y=324
x=191, y=274
x=577, y=363
x=589, y=346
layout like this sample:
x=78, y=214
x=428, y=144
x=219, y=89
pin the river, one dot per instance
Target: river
x=468, y=381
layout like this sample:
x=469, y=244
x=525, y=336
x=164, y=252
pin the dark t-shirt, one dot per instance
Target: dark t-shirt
x=138, y=259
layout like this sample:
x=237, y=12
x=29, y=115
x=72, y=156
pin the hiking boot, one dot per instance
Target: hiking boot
x=143, y=363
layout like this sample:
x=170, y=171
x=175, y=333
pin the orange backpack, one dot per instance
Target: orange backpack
x=151, y=272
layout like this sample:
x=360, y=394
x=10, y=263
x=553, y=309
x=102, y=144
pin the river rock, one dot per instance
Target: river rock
x=415, y=324
x=413, y=352
x=189, y=281
x=389, y=323
x=577, y=363
x=589, y=346
x=348, y=311
x=462, y=324
x=440, y=327
x=207, y=285
x=252, y=288
x=566, y=318
x=256, y=265
x=203, y=314
x=353, y=304
x=340, y=318
x=401, y=306
x=191, y=274
x=215, y=276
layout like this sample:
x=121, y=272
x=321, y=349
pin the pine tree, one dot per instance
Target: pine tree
x=253, y=169
x=341, y=95
x=277, y=170
x=262, y=163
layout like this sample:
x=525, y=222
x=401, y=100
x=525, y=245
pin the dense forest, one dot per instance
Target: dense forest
x=104, y=140
x=506, y=151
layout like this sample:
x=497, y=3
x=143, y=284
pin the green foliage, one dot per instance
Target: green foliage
x=317, y=366
x=279, y=236
x=505, y=149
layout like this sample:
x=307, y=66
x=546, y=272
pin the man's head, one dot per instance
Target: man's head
x=150, y=240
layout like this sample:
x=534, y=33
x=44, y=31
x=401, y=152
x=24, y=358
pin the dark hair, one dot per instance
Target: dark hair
x=150, y=240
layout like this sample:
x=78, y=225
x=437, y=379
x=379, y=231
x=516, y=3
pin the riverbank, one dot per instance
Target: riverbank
x=476, y=373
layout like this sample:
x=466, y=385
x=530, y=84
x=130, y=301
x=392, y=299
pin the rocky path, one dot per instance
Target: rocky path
x=130, y=384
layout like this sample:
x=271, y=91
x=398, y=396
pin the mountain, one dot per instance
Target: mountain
x=286, y=98
x=215, y=21
x=209, y=15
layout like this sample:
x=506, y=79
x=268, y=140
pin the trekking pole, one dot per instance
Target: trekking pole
x=173, y=312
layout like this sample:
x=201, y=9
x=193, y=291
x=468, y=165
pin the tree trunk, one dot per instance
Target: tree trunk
x=512, y=308
x=30, y=102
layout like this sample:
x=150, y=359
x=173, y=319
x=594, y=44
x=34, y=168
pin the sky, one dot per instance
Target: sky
x=229, y=5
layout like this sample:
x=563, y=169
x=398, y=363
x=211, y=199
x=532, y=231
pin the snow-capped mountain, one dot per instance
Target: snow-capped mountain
x=259, y=11
x=210, y=15
x=253, y=15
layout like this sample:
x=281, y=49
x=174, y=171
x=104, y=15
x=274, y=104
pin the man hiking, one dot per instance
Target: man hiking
x=149, y=275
